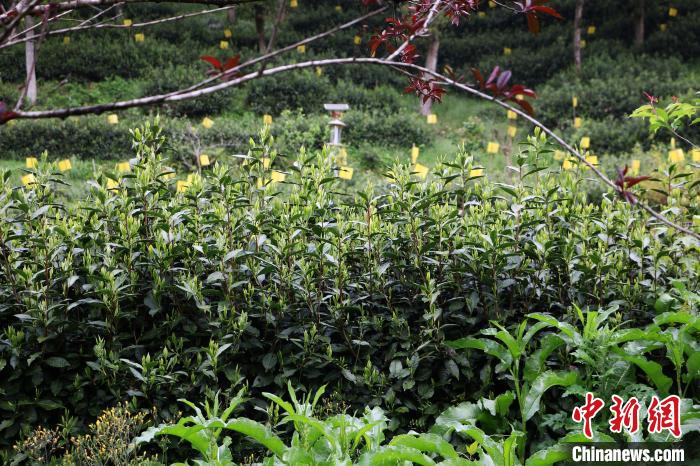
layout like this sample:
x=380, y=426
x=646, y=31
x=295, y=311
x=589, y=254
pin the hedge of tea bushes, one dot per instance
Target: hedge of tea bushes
x=145, y=293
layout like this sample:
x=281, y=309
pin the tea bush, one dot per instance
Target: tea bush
x=146, y=293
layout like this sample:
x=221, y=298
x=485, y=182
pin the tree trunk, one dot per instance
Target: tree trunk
x=30, y=61
x=260, y=27
x=431, y=63
x=231, y=15
x=639, y=24
x=578, y=16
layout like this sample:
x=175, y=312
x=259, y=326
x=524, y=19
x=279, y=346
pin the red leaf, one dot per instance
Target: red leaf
x=213, y=62
x=548, y=11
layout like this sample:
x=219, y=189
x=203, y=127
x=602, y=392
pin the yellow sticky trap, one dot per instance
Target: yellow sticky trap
x=583, y=43
x=507, y=51
x=662, y=27
x=181, y=186
x=190, y=178
x=204, y=160
x=591, y=30
x=512, y=115
x=293, y=3
x=559, y=155
x=592, y=159
x=696, y=220
x=357, y=40
x=319, y=71
x=259, y=183
x=482, y=14
x=585, y=142
x=476, y=172
x=65, y=165
x=140, y=37
x=568, y=164
x=127, y=22
x=266, y=162
x=168, y=174
x=338, y=8
x=578, y=122
x=28, y=179
x=228, y=33
x=673, y=12
x=223, y=45
x=277, y=177
x=492, y=147
x=421, y=170
x=267, y=119
x=113, y=119
x=207, y=122
x=635, y=166
x=66, y=40
x=512, y=131
x=432, y=119
x=676, y=156
x=415, y=152
x=123, y=167
x=492, y=4
x=695, y=153
x=345, y=173
x=31, y=162
x=301, y=48
x=574, y=101
x=342, y=157
x=112, y=184
x=673, y=143
x=519, y=97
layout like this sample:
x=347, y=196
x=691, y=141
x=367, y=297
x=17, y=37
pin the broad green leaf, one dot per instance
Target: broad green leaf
x=548, y=456
x=258, y=432
x=430, y=443
x=487, y=346
x=542, y=383
x=652, y=369
x=393, y=455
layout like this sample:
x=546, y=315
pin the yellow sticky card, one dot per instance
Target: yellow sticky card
x=345, y=173
x=190, y=178
x=492, y=147
x=492, y=4
x=635, y=166
x=204, y=160
x=123, y=167
x=112, y=184
x=662, y=27
x=168, y=174
x=673, y=143
x=277, y=177
x=28, y=179
x=421, y=170
x=574, y=101
x=559, y=155
x=266, y=162
x=293, y=3
x=585, y=142
x=65, y=165
x=591, y=30
x=672, y=12
x=512, y=131
x=338, y=8
x=519, y=97
x=181, y=186
x=415, y=152
x=127, y=22
x=207, y=122
x=432, y=119
x=696, y=220
x=31, y=162
x=267, y=119
x=507, y=51
x=259, y=183
x=66, y=40
x=113, y=119
x=357, y=40
x=342, y=157
x=228, y=33
x=512, y=115
x=583, y=43
x=301, y=48
x=482, y=14
x=568, y=164
x=476, y=172
x=592, y=159
x=578, y=122
x=223, y=45
x=695, y=154
x=676, y=156
x=140, y=37
x=319, y=71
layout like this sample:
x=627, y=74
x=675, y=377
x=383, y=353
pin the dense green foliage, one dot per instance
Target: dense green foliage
x=150, y=294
